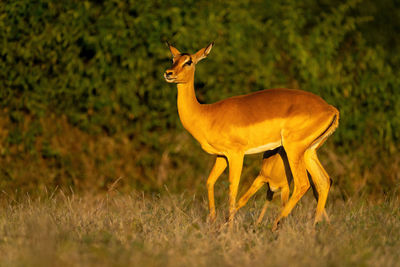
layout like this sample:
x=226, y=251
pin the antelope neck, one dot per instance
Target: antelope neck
x=189, y=109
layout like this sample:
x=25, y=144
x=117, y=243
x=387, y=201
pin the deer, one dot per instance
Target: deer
x=297, y=120
x=276, y=175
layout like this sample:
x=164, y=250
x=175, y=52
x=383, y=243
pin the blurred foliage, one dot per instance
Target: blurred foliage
x=98, y=66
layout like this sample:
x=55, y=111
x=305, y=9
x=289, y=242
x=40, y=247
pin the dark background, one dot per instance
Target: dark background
x=83, y=101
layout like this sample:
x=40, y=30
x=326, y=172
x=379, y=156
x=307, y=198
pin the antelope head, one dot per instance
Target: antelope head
x=183, y=64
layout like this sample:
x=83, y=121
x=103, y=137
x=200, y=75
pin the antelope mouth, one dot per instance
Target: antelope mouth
x=169, y=79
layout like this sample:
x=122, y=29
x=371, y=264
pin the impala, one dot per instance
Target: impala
x=276, y=175
x=297, y=120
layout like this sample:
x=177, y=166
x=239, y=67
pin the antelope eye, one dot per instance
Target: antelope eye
x=189, y=62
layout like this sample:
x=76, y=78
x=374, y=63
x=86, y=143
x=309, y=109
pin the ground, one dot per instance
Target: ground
x=115, y=229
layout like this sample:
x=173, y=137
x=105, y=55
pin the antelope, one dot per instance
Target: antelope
x=234, y=127
x=276, y=175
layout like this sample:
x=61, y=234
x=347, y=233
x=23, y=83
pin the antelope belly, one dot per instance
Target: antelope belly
x=263, y=148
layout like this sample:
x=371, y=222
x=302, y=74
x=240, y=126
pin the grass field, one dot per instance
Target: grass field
x=113, y=229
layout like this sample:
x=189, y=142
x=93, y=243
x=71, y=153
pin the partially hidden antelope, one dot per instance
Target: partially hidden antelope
x=231, y=128
x=276, y=175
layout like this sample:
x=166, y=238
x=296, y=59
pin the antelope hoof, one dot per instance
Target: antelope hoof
x=320, y=221
x=319, y=218
x=275, y=226
x=211, y=218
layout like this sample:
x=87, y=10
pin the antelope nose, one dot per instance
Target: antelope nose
x=168, y=73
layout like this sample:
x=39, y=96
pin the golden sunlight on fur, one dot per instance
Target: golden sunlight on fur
x=297, y=120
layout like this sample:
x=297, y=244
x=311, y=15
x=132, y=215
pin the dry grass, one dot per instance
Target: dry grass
x=171, y=230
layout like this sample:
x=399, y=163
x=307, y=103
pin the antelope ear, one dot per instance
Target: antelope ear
x=173, y=50
x=202, y=53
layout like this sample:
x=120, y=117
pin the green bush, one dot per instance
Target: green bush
x=100, y=64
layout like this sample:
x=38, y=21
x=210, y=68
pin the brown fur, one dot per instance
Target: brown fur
x=245, y=124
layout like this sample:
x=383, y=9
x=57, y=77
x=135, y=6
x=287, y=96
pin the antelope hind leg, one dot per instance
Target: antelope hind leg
x=321, y=181
x=301, y=184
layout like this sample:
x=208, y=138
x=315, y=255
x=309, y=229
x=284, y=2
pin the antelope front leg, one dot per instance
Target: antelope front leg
x=258, y=182
x=264, y=209
x=284, y=200
x=219, y=167
x=235, y=169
